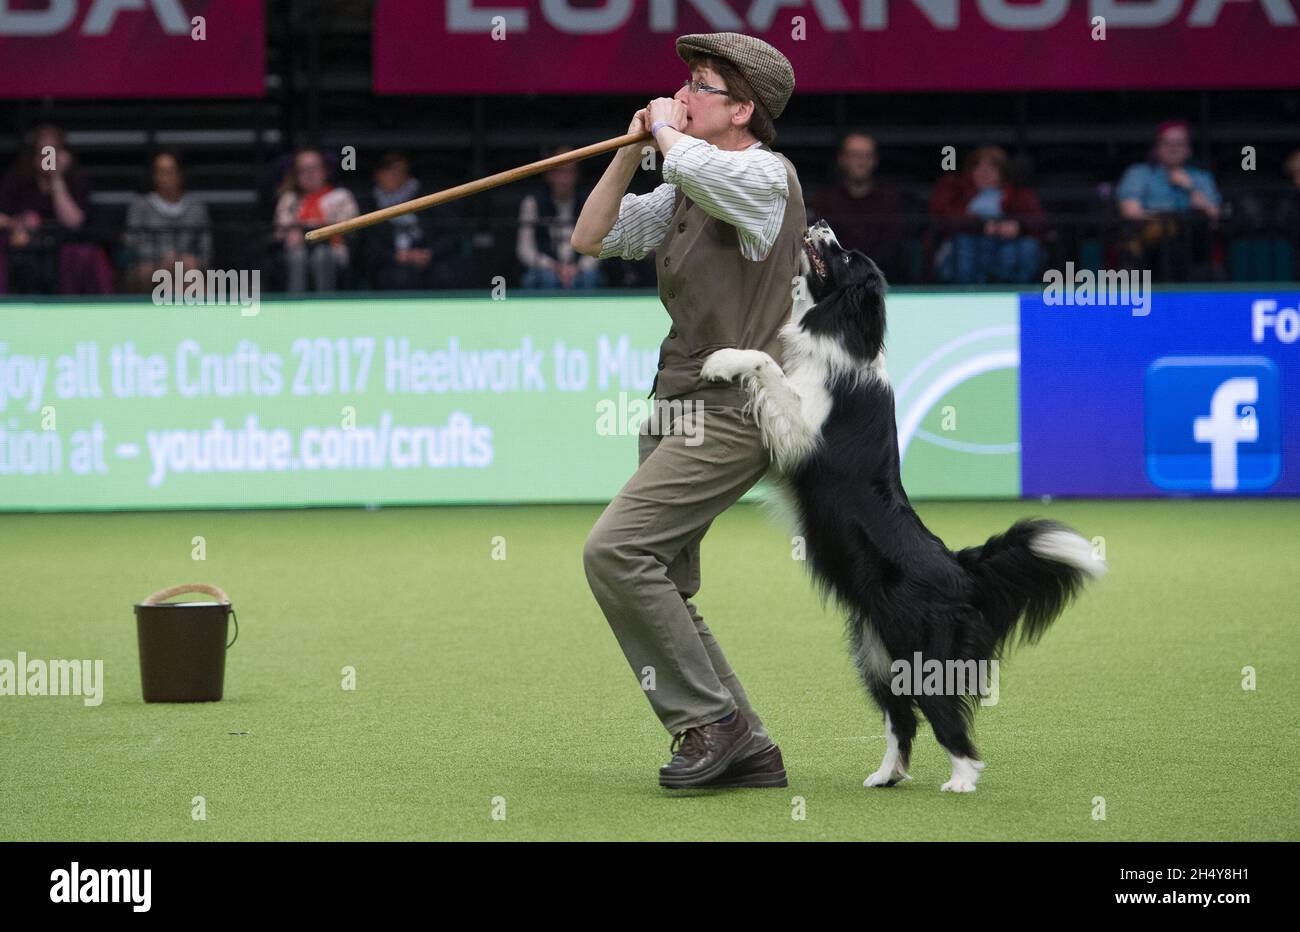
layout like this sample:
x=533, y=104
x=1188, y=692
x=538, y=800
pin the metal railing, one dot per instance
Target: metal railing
x=472, y=254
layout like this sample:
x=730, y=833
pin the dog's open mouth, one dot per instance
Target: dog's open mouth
x=814, y=257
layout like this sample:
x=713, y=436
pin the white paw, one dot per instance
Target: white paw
x=883, y=777
x=965, y=774
x=725, y=364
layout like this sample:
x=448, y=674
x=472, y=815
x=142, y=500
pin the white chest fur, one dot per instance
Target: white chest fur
x=807, y=375
x=791, y=403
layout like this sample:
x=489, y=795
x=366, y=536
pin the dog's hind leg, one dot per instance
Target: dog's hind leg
x=965, y=774
x=900, y=729
x=949, y=717
x=872, y=659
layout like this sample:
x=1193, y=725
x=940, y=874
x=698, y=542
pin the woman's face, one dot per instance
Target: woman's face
x=563, y=180
x=1174, y=147
x=167, y=177
x=393, y=177
x=985, y=174
x=309, y=171
x=708, y=116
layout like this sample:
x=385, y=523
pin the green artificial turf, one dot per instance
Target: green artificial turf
x=480, y=678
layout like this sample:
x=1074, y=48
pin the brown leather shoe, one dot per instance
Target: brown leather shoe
x=702, y=754
x=763, y=768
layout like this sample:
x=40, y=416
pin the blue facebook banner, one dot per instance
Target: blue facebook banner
x=1201, y=396
x=1212, y=423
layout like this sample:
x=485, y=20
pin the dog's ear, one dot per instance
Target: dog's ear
x=867, y=297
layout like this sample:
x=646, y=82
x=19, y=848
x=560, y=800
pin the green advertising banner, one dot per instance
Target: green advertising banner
x=954, y=362
x=441, y=400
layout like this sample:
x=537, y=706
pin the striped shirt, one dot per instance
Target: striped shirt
x=746, y=189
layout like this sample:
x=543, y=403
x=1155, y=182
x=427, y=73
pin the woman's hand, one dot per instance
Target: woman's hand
x=1180, y=178
x=669, y=109
x=639, y=124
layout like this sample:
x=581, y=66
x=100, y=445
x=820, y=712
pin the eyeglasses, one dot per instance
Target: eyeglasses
x=698, y=87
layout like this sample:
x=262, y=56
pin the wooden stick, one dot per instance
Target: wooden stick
x=474, y=187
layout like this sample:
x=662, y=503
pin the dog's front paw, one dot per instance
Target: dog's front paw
x=958, y=785
x=725, y=364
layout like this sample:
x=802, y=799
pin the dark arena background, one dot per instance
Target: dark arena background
x=385, y=450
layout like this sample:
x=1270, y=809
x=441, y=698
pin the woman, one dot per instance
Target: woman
x=727, y=229
x=1171, y=210
x=409, y=252
x=543, y=244
x=43, y=203
x=309, y=201
x=990, y=228
x=166, y=226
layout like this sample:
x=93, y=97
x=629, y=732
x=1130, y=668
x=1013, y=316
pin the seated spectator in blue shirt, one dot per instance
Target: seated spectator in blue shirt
x=1171, y=208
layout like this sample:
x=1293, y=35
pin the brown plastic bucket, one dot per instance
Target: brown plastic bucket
x=183, y=644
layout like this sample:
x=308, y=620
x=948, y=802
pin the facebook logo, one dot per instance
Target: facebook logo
x=1213, y=423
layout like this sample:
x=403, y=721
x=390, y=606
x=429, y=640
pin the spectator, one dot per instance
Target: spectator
x=865, y=214
x=989, y=227
x=1289, y=211
x=166, y=226
x=1170, y=209
x=546, y=219
x=406, y=253
x=308, y=200
x=44, y=198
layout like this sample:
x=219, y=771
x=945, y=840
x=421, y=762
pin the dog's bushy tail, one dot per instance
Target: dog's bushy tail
x=1029, y=575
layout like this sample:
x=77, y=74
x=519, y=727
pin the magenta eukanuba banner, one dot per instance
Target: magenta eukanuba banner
x=626, y=46
x=132, y=48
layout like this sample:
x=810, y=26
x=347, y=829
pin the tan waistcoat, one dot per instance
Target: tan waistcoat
x=716, y=297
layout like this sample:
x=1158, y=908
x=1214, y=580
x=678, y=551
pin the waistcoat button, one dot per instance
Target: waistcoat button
x=681, y=228
x=672, y=294
x=672, y=334
x=666, y=258
x=661, y=364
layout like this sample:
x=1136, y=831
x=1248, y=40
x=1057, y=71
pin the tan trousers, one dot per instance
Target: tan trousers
x=642, y=558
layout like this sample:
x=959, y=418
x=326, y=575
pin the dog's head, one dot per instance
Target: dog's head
x=848, y=290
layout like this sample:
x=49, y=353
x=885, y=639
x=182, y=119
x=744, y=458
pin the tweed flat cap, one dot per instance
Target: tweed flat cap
x=768, y=71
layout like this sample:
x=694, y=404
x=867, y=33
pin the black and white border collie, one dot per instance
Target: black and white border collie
x=828, y=422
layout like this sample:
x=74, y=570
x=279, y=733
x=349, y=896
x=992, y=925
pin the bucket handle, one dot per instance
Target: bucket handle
x=215, y=591
x=163, y=594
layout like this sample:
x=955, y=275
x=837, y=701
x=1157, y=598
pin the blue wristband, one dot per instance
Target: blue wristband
x=654, y=127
